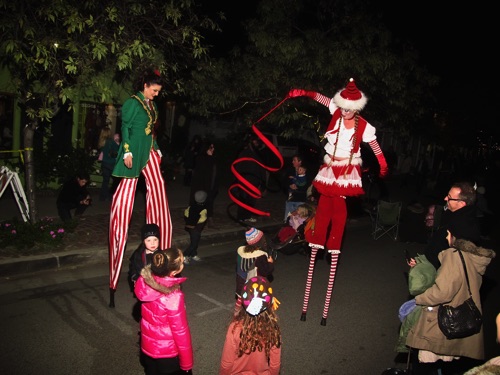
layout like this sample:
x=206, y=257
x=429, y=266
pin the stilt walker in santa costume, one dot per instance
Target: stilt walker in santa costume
x=138, y=153
x=338, y=177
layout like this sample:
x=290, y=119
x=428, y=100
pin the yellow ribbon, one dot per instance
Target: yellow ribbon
x=20, y=152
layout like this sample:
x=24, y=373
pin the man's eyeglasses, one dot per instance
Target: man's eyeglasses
x=453, y=199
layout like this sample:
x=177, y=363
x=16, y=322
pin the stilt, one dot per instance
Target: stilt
x=111, y=297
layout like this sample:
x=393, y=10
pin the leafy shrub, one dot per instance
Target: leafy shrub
x=45, y=234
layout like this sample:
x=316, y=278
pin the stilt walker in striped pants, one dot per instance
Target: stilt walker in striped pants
x=138, y=153
x=338, y=177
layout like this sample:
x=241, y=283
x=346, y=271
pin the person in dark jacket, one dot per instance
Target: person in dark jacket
x=74, y=196
x=190, y=154
x=205, y=177
x=109, y=149
x=460, y=218
x=253, y=173
x=141, y=257
x=195, y=217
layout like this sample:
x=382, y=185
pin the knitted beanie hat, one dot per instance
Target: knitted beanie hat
x=257, y=295
x=350, y=97
x=200, y=196
x=253, y=235
x=150, y=230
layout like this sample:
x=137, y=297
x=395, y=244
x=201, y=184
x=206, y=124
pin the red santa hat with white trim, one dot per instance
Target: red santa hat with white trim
x=350, y=97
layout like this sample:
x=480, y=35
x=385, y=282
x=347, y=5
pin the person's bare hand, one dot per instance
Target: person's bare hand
x=86, y=201
x=270, y=259
x=412, y=263
x=128, y=161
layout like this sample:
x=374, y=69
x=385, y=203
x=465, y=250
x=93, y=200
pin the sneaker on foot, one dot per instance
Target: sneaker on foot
x=196, y=258
x=187, y=260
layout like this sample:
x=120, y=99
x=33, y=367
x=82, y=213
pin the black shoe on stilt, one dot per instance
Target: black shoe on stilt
x=303, y=317
x=323, y=321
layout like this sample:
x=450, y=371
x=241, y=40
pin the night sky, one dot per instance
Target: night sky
x=455, y=42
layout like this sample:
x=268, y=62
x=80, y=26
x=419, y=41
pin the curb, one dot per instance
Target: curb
x=74, y=258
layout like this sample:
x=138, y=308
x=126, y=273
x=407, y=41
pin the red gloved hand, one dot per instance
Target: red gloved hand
x=384, y=170
x=299, y=92
x=293, y=93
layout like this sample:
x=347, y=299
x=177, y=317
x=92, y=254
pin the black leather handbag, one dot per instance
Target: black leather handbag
x=461, y=321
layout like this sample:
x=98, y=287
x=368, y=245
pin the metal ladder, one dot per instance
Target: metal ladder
x=7, y=177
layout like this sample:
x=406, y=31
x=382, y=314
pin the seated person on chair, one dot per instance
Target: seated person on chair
x=74, y=195
x=295, y=220
x=298, y=183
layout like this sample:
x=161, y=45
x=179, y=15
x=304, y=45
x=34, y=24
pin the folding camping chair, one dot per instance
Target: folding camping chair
x=386, y=219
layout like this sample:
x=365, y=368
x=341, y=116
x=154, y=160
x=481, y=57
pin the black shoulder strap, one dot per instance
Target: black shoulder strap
x=465, y=270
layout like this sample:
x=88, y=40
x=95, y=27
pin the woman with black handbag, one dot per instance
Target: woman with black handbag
x=433, y=349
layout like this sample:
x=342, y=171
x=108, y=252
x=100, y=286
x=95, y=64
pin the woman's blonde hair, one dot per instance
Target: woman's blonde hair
x=103, y=137
x=305, y=210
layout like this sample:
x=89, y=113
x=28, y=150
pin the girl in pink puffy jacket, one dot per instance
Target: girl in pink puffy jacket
x=165, y=336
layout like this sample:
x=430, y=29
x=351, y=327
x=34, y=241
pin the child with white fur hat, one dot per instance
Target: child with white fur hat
x=252, y=260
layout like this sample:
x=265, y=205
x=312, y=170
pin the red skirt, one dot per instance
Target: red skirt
x=340, y=178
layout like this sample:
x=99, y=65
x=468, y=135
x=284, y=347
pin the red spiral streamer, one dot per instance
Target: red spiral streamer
x=243, y=183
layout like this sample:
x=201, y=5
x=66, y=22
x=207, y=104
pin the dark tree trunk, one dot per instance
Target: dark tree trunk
x=29, y=171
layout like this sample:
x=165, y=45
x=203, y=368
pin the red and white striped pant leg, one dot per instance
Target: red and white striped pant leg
x=310, y=272
x=157, y=210
x=119, y=220
x=331, y=281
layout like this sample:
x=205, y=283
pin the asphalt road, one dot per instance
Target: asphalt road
x=60, y=323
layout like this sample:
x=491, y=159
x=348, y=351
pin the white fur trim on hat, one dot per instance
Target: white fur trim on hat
x=350, y=97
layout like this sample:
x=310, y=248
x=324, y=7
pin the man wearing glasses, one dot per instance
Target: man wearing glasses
x=459, y=218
